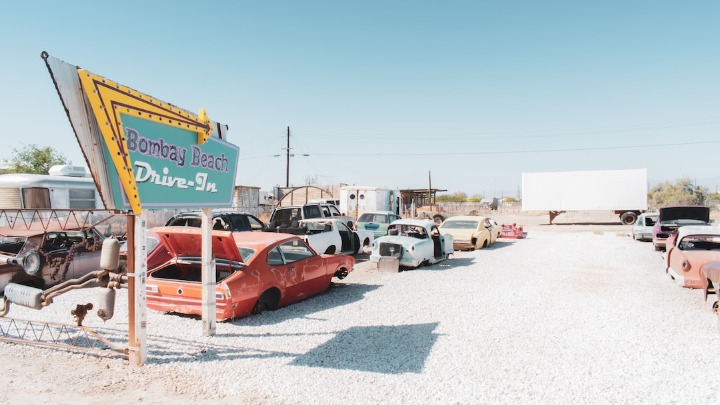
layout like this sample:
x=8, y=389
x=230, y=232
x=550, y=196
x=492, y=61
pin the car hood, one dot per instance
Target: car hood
x=187, y=242
x=401, y=240
x=687, y=212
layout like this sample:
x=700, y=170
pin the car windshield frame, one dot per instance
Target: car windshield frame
x=460, y=224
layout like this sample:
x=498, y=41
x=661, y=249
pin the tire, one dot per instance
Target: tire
x=266, y=302
x=628, y=218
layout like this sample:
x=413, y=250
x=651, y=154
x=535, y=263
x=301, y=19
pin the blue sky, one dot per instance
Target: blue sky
x=379, y=93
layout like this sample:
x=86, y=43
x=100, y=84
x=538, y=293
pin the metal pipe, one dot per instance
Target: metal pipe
x=47, y=298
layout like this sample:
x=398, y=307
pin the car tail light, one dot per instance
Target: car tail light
x=151, y=288
x=226, y=291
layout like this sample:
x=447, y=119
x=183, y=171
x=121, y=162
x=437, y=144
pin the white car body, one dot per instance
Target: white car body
x=325, y=235
x=418, y=241
x=642, y=229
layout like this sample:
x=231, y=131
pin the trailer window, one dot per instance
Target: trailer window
x=36, y=197
x=10, y=198
x=82, y=198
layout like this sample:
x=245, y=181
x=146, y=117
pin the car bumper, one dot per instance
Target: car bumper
x=462, y=244
x=188, y=306
x=643, y=236
x=405, y=261
x=684, y=281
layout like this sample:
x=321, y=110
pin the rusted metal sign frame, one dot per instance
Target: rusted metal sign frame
x=26, y=332
x=63, y=219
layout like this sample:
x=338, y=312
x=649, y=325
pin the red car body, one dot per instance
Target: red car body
x=254, y=271
x=689, y=250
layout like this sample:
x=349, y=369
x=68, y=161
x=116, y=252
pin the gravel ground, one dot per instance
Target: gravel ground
x=560, y=317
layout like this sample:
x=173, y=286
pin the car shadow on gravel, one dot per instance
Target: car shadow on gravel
x=337, y=295
x=453, y=262
x=581, y=223
x=394, y=349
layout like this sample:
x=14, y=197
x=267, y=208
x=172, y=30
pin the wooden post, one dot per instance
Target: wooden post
x=209, y=279
x=137, y=273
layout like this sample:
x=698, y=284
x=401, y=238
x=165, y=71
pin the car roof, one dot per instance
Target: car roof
x=215, y=212
x=379, y=212
x=302, y=205
x=257, y=240
x=467, y=218
x=416, y=222
x=260, y=239
x=710, y=230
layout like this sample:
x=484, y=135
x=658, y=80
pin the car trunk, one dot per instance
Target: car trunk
x=687, y=212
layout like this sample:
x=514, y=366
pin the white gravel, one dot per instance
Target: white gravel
x=560, y=317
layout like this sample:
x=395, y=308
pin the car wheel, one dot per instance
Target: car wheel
x=628, y=218
x=267, y=301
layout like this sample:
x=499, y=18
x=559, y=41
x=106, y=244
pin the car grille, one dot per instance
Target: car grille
x=391, y=250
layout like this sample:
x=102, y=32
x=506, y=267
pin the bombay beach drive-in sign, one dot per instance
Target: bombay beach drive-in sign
x=143, y=152
x=172, y=171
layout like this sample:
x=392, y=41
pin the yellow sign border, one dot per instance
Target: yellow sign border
x=105, y=95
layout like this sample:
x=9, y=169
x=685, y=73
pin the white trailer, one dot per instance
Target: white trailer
x=66, y=187
x=355, y=200
x=621, y=191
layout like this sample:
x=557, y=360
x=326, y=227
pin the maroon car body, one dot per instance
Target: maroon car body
x=673, y=217
x=43, y=256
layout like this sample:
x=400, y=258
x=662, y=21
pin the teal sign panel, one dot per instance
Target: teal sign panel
x=172, y=170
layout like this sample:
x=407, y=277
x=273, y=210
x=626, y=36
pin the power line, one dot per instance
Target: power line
x=544, y=133
x=520, y=150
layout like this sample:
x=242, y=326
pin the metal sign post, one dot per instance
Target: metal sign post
x=137, y=273
x=209, y=279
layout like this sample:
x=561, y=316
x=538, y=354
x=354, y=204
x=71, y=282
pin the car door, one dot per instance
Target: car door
x=492, y=232
x=85, y=251
x=306, y=268
x=291, y=272
x=424, y=245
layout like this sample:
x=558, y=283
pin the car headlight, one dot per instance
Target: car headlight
x=31, y=262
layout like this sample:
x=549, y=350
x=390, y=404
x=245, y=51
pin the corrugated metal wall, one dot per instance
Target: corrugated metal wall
x=247, y=199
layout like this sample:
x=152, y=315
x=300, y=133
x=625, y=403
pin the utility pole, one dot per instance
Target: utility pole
x=430, y=199
x=287, y=158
